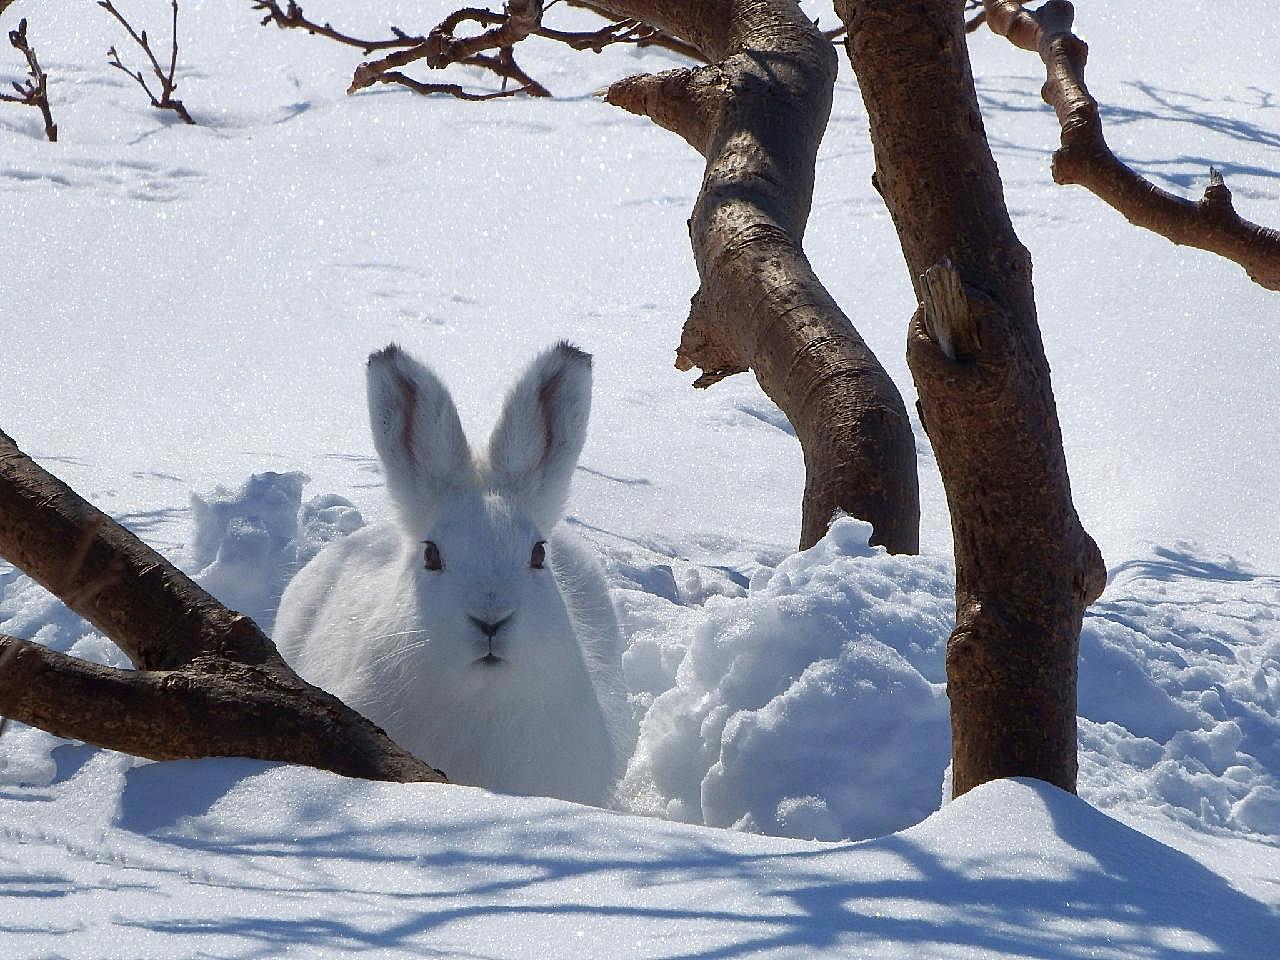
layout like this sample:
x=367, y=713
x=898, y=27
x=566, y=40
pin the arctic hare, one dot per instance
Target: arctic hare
x=476, y=631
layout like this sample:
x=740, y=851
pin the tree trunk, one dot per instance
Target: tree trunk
x=757, y=112
x=209, y=682
x=1025, y=568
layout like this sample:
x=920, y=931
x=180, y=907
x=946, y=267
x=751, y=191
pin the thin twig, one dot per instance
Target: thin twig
x=453, y=89
x=166, y=100
x=35, y=91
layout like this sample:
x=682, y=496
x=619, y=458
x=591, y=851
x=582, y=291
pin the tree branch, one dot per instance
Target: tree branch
x=519, y=20
x=757, y=114
x=166, y=100
x=209, y=682
x=442, y=48
x=1084, y=157
x=33, y=92
x=293, y=17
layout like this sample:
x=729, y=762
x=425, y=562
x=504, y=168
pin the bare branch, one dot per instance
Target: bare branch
x=209, y=681
x=491, y=49
x=166, y=100
x=35, y=91
x=293, y=17
x=453, y=89
x=976, y=21
x=1084, y=157
x=442, y=48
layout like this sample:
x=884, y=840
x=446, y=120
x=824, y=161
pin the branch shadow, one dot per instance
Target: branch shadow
x=1054, y=878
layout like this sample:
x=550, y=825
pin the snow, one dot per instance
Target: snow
x=188, y=310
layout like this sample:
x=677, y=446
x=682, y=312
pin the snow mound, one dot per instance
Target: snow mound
x=248, y=543
x=812, y=707
x=240, y=859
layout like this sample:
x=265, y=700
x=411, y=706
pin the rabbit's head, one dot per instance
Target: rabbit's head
x=475, y=528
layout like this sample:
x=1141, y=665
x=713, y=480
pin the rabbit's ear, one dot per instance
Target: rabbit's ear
x=535, y=446
x=417, y=433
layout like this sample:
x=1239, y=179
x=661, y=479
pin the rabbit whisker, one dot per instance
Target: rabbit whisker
x=401, y=651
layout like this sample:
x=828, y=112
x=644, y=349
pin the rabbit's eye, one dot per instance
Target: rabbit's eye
x=431, y=557
x=539, y=558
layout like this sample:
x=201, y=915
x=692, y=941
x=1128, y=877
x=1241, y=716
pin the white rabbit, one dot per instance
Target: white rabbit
x=475, y=631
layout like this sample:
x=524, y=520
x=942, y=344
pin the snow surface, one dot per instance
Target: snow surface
x=187, y=314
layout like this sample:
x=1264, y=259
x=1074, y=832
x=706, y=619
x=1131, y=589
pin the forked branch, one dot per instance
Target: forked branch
x=208, y=683
x=1084, y=157
x=166, y=100
x=491, y=49
x=33, y=92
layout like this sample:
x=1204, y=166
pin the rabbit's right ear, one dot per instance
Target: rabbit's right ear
x=417, y=433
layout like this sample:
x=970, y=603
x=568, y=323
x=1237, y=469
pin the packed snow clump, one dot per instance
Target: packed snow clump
x=248, y=543
x=812, y=707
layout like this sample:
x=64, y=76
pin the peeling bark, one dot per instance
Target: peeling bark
x=1025, y=567
x=208, y=683
x=757, y=112
x=1084, y=157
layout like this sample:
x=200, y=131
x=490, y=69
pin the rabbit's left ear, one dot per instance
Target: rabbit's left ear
x=540, y=432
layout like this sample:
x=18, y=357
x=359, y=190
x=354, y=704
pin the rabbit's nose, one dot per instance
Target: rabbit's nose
x=489, y=627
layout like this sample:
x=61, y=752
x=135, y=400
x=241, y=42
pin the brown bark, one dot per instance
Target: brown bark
x=166, y=100
x=757, y=113
x=1084, y=157
x=1025, y=568
x=209, y=682
x=33, y=92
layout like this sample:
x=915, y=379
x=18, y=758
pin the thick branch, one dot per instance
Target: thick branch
x=654, y=37
x=152, y=611
x=212, y=708
x=1084, y=157
x=758, y=114
x=209, y=683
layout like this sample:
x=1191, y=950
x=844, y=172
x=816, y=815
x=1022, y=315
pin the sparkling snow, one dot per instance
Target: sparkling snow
x=187, y=311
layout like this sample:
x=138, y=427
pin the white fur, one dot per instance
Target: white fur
x=367, y=621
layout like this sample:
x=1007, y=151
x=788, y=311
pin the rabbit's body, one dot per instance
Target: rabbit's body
x=494, y=653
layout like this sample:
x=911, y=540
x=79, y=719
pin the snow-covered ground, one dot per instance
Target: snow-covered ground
x=188, y=307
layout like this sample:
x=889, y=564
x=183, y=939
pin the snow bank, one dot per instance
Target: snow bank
x=812, y=707
x=239, y=859
x=811, y=704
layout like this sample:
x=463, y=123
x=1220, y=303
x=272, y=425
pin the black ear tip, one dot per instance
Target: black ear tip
x=571, y=353
x=388, y=353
